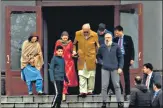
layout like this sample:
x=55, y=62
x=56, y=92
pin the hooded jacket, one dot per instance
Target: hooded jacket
x=140, y=97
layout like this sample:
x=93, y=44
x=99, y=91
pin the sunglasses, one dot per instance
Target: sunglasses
x=86, y=32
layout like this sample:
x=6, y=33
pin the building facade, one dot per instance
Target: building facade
x=146, y=32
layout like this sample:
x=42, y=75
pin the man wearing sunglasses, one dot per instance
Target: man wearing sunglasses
x=87, y=42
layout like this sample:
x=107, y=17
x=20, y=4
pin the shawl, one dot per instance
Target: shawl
x=64, y=42
x=31, y=51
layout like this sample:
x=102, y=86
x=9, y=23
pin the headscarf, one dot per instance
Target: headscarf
x=31, y=51
x=64, y=33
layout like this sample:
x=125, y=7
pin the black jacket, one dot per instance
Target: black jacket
x=157, y=101
x=140, y=97
x=155, y=78
x=128, y=47
x=57, y=69
x=110, y=60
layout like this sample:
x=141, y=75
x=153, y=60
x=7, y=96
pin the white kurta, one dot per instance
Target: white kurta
x=86, y=80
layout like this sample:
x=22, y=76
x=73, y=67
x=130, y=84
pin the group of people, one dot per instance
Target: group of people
x=112, y=54
x=147, y=92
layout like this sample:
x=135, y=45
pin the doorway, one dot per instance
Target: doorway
x=71, y=19
x=34, y=14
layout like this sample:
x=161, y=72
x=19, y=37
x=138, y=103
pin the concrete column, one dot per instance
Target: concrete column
x=0, y=45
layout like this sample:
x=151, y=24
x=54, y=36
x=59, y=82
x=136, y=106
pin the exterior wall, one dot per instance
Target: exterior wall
x=2, y=22
x=152, y=32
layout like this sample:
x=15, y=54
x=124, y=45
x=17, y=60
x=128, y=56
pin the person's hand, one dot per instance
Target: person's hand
x=32, y=61
x=96, y=61
x=74, y=53
x=132, y=62
x=119, y=71
x=67, y=82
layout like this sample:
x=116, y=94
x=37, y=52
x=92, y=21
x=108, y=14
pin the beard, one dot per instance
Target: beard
x=108, y=43
x=86, y=35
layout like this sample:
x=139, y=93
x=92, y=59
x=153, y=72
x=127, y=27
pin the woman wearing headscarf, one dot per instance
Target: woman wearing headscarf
x=31, y=63
x=69, y=62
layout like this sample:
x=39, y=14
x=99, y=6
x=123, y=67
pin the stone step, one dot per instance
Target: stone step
x=49, y=98
x=45, y=101
x=63, y=105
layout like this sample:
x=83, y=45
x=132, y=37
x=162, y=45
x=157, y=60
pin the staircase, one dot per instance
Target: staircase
x=91, y=101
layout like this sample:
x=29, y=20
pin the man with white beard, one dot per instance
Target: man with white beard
x=86, y=41
x=111, y=58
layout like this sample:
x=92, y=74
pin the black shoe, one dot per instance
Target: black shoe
x=111, y=92
x=125, y=98
x=54, y=106
x=120, y=105
x=58, y=106
x=103, y=105
x=89, y=93
x=83, y=95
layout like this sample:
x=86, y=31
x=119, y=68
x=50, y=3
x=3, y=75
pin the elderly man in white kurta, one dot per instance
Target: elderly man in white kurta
x=87, y=42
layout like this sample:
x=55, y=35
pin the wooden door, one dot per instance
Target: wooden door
x=130, y=17
x=20, y=22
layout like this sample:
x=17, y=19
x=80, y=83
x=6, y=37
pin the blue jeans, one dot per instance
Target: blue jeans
x=38, y=85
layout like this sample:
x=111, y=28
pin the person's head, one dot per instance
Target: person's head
x=108, y=39
x=64, y=36
x=101, y=28
x=33, y=37
x=118, y=31
x=59, y=50
x=147, y=68
x=86, y=29
x=138, y=80
x=156, y=86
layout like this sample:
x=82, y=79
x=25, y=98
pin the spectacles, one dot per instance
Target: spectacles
x=108, y=37
x=86, y=32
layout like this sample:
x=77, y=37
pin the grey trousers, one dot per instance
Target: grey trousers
x=105, y=83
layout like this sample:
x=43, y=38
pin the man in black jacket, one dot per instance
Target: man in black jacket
x=150, y=77
x=111, y=59
x=127, y=47
x=140, y=97
x=157, y=97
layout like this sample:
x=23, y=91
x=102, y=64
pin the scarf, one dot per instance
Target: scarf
x=64, y=42
x=31, y=51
